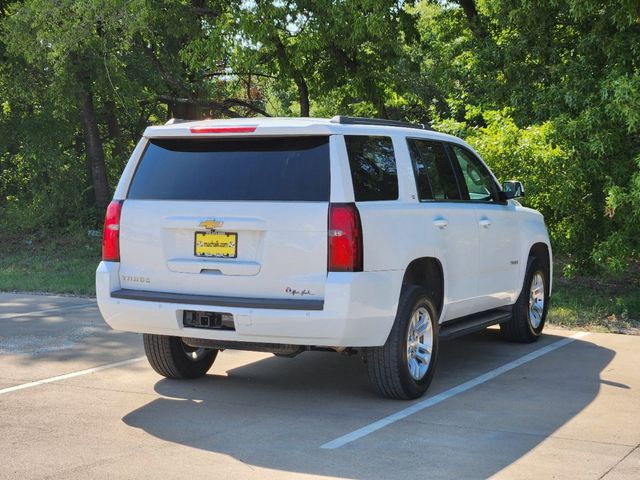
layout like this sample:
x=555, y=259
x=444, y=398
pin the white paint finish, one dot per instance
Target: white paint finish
x=458, y=251
x=532, y=230
x=107, y=281
x=359, y=309
x=237, y=224
x=441, y=397
x=407, y=190
x=212, y=265
x=284, y=244
x=390, y=231
x=289, y=126
x=66, y=376
x=397, y=233
x=127, y=174
x=499, y=241
x=341, y=183
x=280, y=245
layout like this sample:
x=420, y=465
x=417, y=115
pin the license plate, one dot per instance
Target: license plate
x=217, y=244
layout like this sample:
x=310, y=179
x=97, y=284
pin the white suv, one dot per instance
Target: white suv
x=290, y=234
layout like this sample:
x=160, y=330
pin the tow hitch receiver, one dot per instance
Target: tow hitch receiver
x=208, y=320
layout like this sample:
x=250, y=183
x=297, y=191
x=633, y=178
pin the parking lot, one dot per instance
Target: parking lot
x=77, y=400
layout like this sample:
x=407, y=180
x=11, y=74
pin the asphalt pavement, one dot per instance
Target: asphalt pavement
x=78, y=400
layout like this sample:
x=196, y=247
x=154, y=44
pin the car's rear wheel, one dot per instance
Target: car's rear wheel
x=530, y=310
x=403, y=367
x=172, y=358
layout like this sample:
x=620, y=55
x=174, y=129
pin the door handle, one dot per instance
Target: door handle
x=441, y=222
x=484, y=222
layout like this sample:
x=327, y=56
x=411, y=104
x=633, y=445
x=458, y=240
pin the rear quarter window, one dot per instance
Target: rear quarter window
x=239, y=169
x=373, y=168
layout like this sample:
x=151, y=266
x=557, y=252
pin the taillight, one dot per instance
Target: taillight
x=111, y=232
x=345, y=238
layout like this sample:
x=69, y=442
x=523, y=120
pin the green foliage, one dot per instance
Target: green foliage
x=548, y=92
x=568, y=73
x=531, y=154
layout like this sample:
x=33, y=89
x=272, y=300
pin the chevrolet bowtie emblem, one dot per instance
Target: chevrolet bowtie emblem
x=211, y=224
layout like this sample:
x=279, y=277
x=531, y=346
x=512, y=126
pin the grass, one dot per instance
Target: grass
x=599, y=302
x=66, y=264
x=61, y=264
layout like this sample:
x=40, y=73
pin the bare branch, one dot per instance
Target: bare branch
x=239, y=74
x=223, y=106
x=250, y=106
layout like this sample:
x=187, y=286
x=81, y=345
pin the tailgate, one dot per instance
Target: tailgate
x=242, y=217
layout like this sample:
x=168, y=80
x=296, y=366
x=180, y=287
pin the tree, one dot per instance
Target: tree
x=556, y=83
x=572, y=63
x=336, y=56
x=57, y=43
x=104, y=67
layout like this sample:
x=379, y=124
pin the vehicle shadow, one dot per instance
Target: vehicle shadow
x=276, y=413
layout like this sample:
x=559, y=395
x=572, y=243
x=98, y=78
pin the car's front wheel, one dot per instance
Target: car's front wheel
x=172, y=358
x=530, y=310
x=403, y=367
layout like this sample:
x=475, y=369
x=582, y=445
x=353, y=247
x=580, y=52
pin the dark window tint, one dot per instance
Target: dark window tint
x=477, y=178
x=278, y=169
x=373, y=168
x=434, y=175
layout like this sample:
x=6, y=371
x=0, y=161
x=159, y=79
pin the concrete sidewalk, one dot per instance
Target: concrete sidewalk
x=570, y=413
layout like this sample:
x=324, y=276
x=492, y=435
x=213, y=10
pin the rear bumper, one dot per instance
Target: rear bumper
x=358, y=310
x=219, y=301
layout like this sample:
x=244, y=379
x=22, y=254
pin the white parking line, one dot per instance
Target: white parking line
x=431, y=401
x=70, y=375
x=47, y=310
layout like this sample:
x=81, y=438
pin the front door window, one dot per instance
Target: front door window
x=479, y=182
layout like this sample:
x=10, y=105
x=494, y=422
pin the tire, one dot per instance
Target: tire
x=527, y=320
x=389, y=366
x=172, y=358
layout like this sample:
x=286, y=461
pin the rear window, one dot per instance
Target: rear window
x=276, y=169
x=373, y=168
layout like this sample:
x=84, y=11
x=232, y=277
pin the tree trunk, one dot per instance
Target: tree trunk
x=113, y=128
x=295, y=74
x=378, y=103
x=185, y=110
x=303, y=93
x=471, y=12
x=93, y=143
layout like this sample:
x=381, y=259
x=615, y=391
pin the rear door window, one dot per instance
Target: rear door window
x=373, y=168
x=251, y=169
x=435, y=178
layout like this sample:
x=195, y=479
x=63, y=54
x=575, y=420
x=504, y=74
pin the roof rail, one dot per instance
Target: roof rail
x=345, y=120
x=173, y=121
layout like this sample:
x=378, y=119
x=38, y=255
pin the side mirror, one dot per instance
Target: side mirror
x=512, y=189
